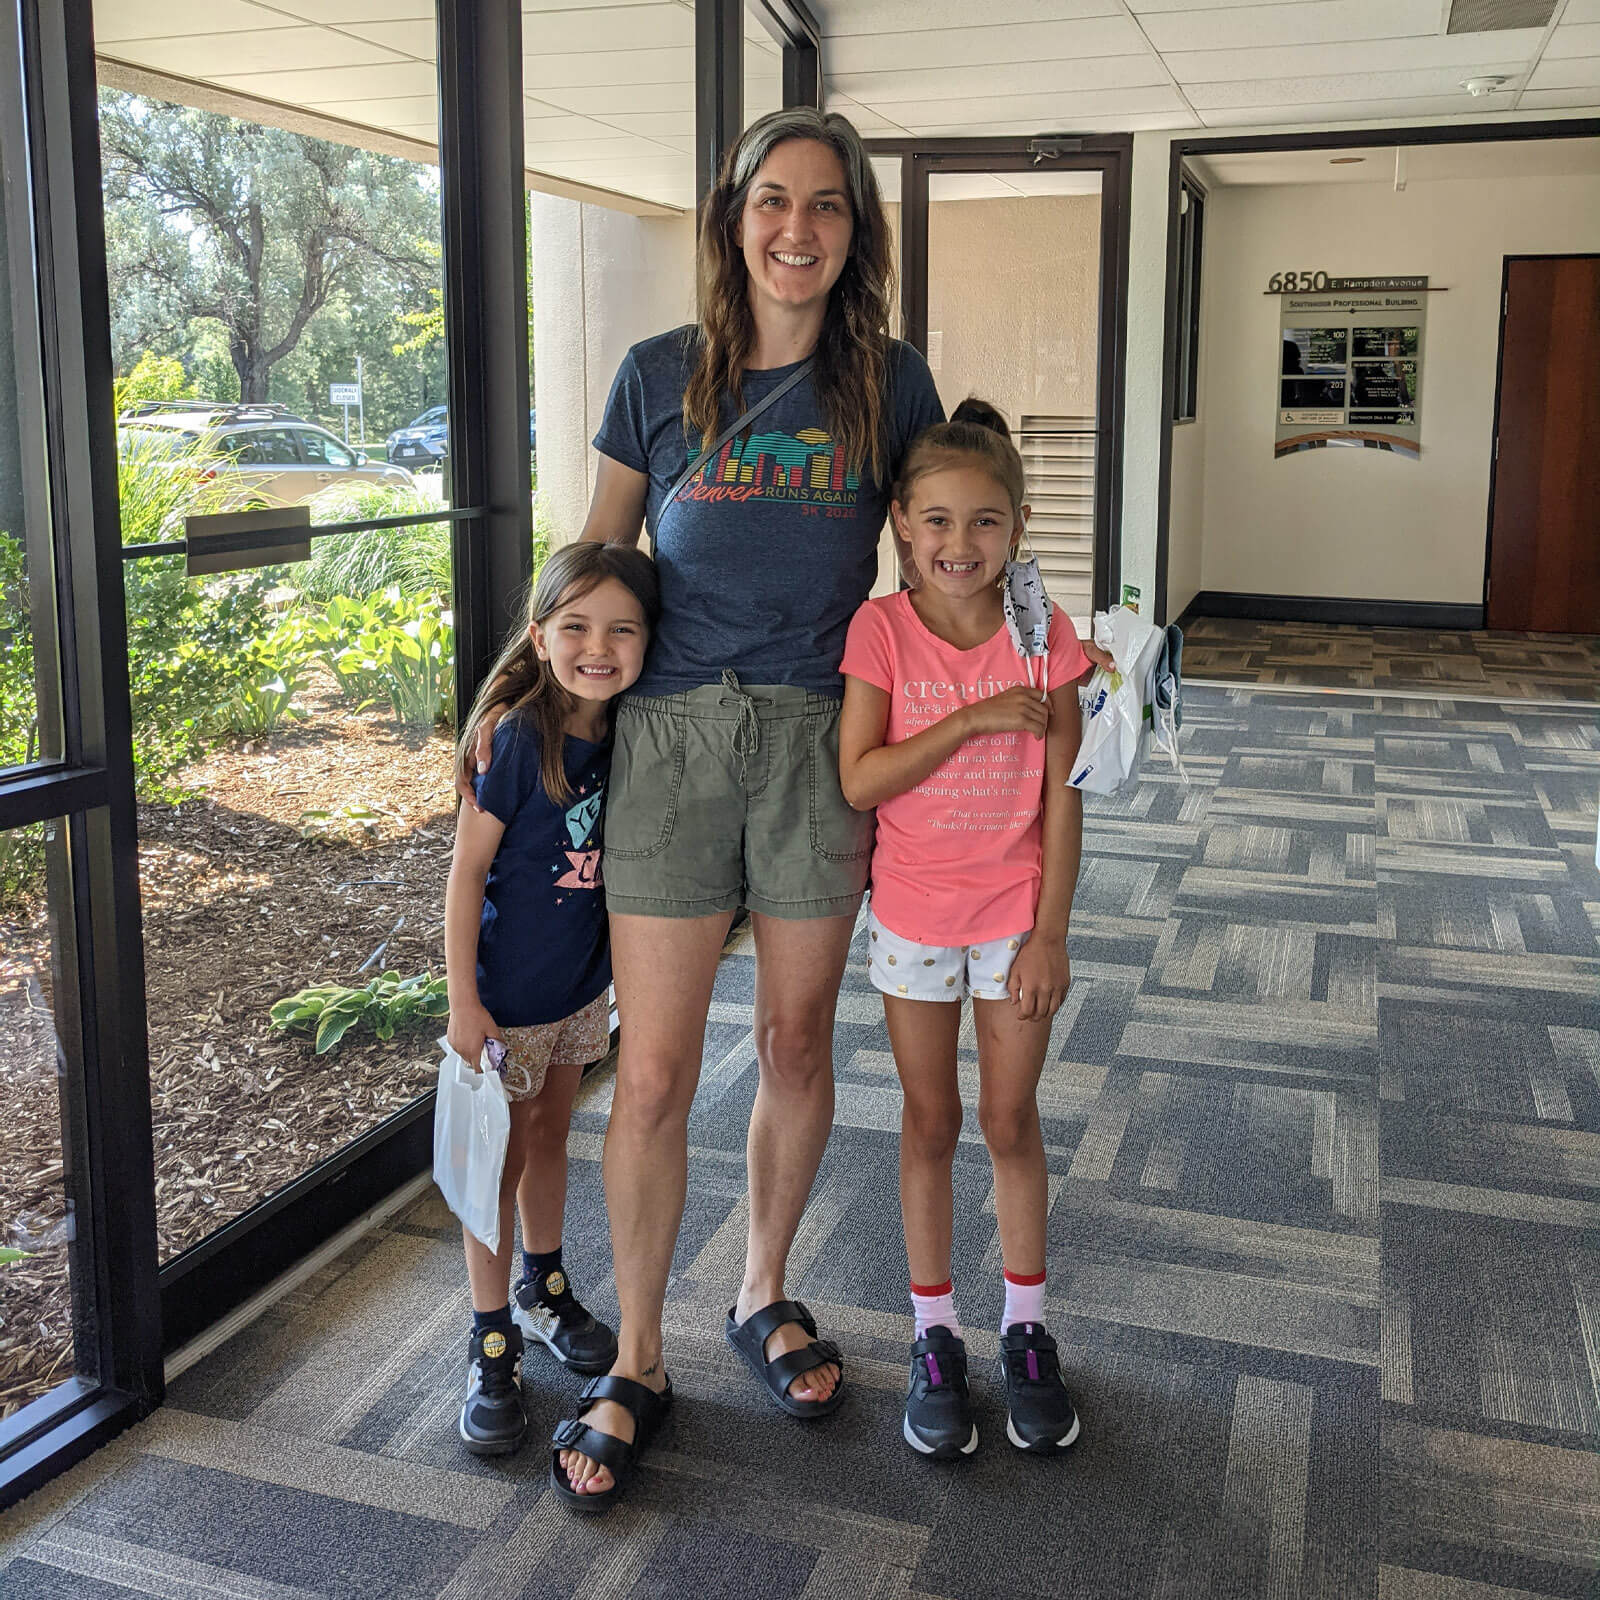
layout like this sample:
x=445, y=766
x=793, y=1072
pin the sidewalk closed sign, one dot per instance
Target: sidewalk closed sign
x=344, y=394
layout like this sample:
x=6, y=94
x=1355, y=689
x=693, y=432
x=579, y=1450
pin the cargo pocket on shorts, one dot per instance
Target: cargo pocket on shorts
x=838, y=831
x=646, y=776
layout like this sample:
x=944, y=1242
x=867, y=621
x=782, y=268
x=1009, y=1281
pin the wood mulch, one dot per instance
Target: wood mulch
x=239, y=911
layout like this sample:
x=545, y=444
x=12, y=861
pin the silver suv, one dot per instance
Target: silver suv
x=266, y=453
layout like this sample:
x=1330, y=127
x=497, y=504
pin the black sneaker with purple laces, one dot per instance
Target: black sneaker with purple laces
x=939, y=1420
x=1039, y=1412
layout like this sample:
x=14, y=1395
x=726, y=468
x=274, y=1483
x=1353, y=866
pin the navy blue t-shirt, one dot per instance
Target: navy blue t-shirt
x=769, y=550
x=543, y=952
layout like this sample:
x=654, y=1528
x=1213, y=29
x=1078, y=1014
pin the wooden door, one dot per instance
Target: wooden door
x=1544, y=521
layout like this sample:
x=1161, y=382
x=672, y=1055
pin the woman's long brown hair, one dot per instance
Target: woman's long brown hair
x=852, y=356
x=520, y=681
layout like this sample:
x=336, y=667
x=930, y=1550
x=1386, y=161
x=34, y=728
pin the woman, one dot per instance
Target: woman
x=725, y=786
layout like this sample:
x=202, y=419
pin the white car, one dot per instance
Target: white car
x=271, y=455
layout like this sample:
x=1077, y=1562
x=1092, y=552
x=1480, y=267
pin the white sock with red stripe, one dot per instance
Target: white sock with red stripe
x=1024, y=1298
x=934, y=1306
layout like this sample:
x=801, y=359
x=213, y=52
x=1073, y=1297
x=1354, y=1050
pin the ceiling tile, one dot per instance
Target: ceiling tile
x=1352, y=111
x=1452, y=52
x=276, y=50
x=1080, y=122
x=842, y=18
x=601, y=68
x=1323, y=22
x=334, y=13
x=1020, y=78
x=623, y=97
x=1580, y=11
x=620, y=147
x=115, y=20
x=413, y=108
x=419, y=37
x=1337, y=89
x=1146, y=8
x=334, y=83
x=864, y=118
x=1579, y=73
x=1036, y=111
x=957, y=49
x=1558, y=99
x=654, y=124
x=1567, y=41
x=642, y=27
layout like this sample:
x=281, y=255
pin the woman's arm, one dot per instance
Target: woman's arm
x=477, y=838
x=871, y=771
x=1042, y=974
x=616, y=510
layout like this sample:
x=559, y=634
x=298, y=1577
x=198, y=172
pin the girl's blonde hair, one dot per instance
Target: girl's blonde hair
x=520, y=681
x=851, y=377
x=975, y=436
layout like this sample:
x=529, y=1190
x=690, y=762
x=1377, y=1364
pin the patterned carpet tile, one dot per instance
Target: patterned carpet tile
x=1322, y=1129
x=1497, y=666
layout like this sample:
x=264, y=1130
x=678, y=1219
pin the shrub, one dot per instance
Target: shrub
x=416, y=560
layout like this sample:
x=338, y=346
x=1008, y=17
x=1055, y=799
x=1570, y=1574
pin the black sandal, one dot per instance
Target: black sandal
x=750, y=1337
x=641, y=1402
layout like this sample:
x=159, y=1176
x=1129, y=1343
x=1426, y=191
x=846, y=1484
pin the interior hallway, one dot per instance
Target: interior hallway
x=1496, y=666
x=1323, y=1114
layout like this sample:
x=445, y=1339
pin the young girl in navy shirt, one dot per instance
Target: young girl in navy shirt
x=526, y=948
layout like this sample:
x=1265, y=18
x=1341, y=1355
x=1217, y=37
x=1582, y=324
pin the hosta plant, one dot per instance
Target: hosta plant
x=389, y=1003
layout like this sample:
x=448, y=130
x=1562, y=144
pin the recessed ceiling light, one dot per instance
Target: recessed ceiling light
x=1345, y=161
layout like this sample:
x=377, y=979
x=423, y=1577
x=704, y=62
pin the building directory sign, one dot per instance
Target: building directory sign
x=1350, y=367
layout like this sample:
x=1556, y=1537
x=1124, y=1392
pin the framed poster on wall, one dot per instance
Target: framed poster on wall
x=1350, y=367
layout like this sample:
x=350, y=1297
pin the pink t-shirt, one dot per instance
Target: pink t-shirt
x=958, y=858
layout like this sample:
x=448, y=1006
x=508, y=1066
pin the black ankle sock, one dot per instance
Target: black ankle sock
x=539, y=1266
x=483, y=1321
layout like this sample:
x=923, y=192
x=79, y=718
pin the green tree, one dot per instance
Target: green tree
x=253, y=228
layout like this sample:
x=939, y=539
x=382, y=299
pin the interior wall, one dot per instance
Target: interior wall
x=1013, y=293
x=602, y=280
x=1353, y=523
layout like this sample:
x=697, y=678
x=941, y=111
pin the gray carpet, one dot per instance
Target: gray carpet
x=1323, y=1120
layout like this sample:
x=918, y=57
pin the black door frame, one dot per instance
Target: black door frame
x=1379, y=612
x=1111, y=156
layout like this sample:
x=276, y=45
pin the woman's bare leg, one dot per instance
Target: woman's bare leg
x=664, y=969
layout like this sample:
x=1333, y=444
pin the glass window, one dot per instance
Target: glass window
x=321, y=451
x=763, y=68
x=292, y=724
x=38, y=1222
x=30, y=711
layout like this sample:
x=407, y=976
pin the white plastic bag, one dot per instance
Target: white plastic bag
x=1116, y=721
x=471, y=1125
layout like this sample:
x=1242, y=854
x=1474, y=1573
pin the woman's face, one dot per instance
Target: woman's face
x=795, y=228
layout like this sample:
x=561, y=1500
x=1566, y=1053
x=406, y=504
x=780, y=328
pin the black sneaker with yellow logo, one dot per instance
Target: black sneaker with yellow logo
x=546, y=1309
x=493, y=1417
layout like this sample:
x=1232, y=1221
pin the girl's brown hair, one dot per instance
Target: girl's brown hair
x=520, y=681
x=852, y=355
x=976, y=435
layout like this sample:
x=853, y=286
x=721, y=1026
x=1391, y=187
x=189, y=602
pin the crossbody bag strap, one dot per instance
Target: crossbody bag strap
x=738, y=425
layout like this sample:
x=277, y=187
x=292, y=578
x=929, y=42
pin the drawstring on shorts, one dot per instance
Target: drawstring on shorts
x=747, y=730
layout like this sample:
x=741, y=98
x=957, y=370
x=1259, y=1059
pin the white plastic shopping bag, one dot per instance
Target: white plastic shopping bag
x=471, y=1125
x=1116, y=717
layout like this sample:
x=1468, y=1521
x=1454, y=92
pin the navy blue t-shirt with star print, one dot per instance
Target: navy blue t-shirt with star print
x=770, y=549
x=543, y=951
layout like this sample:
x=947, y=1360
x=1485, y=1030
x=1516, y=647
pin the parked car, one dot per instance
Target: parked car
x=268, y=453
x=425, y=441
x=421, y=442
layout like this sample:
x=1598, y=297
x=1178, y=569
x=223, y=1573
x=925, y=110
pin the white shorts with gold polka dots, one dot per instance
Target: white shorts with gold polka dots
x=914, y=971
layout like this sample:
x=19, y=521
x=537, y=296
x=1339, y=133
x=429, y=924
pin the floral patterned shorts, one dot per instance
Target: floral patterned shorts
x=574, y=1041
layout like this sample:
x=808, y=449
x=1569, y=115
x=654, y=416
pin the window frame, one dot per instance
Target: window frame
x=1191, y=251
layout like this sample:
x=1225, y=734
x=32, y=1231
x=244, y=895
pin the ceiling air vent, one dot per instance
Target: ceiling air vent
x=1496, y=16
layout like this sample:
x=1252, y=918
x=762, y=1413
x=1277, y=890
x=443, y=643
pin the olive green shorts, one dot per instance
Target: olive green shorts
x=724, y=796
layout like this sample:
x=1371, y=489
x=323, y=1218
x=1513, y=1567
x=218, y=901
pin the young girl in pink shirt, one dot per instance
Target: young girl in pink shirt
x=948, y=733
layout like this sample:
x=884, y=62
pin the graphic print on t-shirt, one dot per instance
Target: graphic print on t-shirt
x=584, y=858
x=806, y=466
